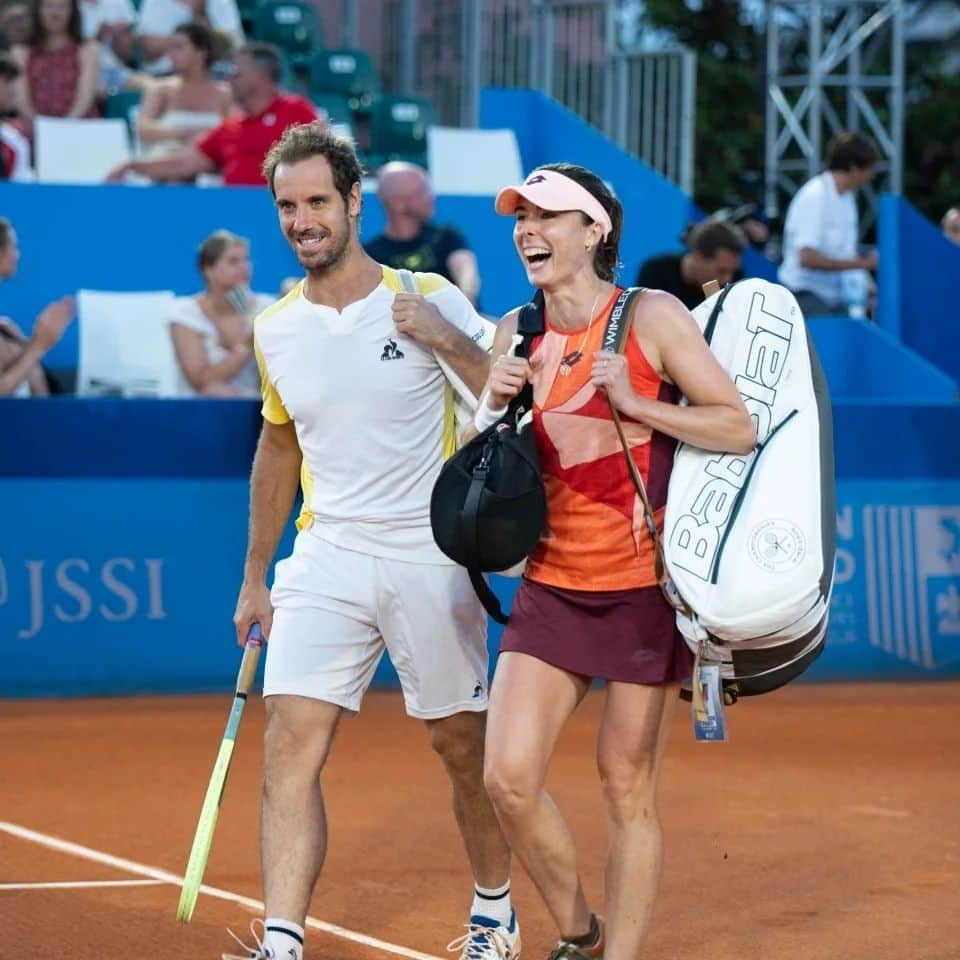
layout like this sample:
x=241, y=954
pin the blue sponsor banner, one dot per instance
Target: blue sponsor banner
x=111, y=586
x=115, y=586
x=895, y=610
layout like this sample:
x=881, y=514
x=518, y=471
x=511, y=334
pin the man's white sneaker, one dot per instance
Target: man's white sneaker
x=488, y=939
x=256, y=952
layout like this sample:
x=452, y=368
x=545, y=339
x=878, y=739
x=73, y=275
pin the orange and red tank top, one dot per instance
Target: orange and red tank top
x=595, y=537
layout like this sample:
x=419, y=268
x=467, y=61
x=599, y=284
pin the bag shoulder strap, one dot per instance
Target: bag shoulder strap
x=530, y=324
x=715, y=312
x=615, y=339
x=408, y=281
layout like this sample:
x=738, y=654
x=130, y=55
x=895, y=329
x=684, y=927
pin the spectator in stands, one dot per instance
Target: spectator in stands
x=213, y=331
x=14, y=146
x=104, y=19
x=111, y=23
x=237, y=147
x=951, y=224
x=21, y=374
x=177, y=111
x=410, y=241
x=15, y=24
x=821, y=231
x=715, y=248
x=61, y=70
x=160, y=18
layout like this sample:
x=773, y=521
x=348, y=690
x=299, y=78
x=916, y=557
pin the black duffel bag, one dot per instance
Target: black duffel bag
x=488, y=506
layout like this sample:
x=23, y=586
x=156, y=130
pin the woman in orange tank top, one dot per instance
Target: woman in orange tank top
x=589, y=605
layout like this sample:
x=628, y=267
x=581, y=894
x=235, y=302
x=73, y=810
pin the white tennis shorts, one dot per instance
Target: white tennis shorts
x=335, y=611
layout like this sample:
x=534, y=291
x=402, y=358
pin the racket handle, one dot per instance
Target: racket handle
x=251, y=656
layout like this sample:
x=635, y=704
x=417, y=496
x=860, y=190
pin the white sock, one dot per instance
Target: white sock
x=493, y=903
x=283, y=939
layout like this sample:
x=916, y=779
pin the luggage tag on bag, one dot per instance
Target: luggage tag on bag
x=709, y=722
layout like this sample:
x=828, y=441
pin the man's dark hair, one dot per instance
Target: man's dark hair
x=848, y=150
x=606, y=257
x=203, y=37
x=709, y=236
x=5, y=229
x=305, y=140
x=74, y=25
x=266, y=57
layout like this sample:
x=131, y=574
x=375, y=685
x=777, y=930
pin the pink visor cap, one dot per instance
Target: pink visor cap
x=550, y=190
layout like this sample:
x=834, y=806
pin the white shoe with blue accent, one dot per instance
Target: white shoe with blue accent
x=257, y=952
x=488, y=939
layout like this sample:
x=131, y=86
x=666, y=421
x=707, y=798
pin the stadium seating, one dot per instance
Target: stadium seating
x=124, y=105
x=398, y=130
x=125, y=345
x=292, y=26
x=347, y=73
x=472, y=162
x=79, y=151
x=337, y=110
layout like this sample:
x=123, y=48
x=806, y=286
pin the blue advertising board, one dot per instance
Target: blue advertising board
x=124, y=585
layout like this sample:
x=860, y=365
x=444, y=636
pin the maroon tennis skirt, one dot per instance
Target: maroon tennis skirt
x=625, y=635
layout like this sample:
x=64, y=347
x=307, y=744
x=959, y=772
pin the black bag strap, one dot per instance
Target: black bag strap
x=470, y=533
x=530, y=324
x=715, y=312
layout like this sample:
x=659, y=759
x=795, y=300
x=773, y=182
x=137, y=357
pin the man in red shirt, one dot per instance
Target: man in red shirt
x=236, y=147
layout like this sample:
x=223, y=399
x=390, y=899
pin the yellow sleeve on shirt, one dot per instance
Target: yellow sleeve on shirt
x=273, y=409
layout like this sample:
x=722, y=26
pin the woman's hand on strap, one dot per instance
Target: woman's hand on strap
x=611, y=374
x=508, y=375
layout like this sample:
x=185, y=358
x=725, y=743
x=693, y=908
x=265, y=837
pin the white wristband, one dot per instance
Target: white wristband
x=486, y=416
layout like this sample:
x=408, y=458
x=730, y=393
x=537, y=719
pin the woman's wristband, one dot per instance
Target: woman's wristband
x=486, y=416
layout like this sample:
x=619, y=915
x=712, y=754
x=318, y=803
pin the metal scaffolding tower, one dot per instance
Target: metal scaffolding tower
x=832, y=65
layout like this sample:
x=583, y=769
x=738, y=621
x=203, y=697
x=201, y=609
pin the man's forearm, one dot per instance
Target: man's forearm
x=468, y=361
x=814, y=260
x=273, y=489
x=179, y=166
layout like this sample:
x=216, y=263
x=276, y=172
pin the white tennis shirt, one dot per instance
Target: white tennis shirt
x=823, y=220
x=372, y=410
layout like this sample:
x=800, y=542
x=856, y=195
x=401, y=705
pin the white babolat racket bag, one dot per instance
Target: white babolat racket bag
x=749, y=540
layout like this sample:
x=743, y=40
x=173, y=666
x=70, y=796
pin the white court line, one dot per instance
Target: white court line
x=78, y=884
x=164, y=876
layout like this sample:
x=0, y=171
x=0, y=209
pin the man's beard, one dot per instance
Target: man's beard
x=334, y=255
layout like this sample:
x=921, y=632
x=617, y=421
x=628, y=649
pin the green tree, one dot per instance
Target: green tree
x=730, y=91
x=932, y=139
x=731, y=96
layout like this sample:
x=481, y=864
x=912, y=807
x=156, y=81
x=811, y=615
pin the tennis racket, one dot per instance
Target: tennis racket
x=203, y=838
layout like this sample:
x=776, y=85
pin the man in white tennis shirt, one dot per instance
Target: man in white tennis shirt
x=356, y=406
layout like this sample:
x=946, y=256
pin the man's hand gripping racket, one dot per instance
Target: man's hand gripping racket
x=203, y=838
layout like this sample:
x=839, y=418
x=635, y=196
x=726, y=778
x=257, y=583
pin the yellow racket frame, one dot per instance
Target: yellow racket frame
x=210, y=811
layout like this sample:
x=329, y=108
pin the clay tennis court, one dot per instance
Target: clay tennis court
x=828, y=827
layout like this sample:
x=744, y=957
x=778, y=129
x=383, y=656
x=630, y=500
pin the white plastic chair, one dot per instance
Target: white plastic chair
x=472, y=162
x=125, y=345
x=79, y=151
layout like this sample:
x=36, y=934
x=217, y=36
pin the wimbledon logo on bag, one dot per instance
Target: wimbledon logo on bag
x=697, y=535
